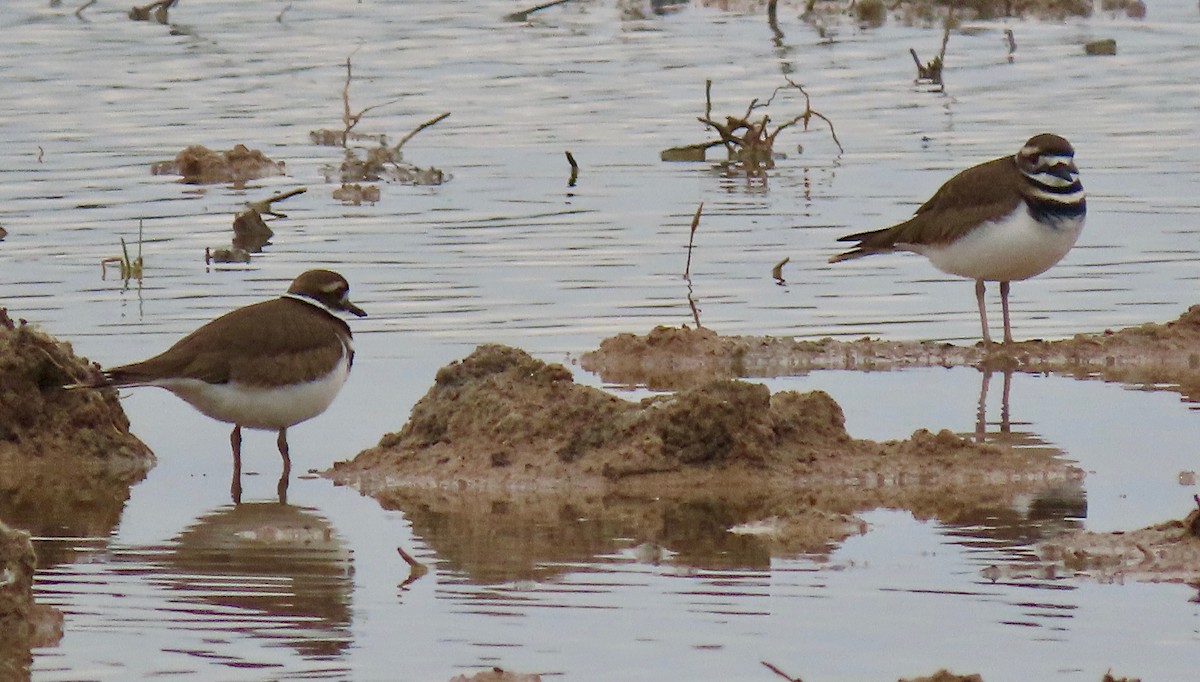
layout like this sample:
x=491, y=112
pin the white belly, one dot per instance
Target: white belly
x=1014, y=248
x=257, y=407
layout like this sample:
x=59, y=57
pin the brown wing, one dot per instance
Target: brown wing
x=251, y=345
x=981, y=193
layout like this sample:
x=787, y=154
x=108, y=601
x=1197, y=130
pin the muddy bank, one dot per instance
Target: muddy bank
x=521, y=434
x=1166, y=552
x=1159, y=355
x=67, y=457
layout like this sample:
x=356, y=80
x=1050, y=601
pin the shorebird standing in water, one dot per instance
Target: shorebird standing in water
x=270, y=365
x=1008, y=219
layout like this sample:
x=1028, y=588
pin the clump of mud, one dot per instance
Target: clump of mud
x=944, y=675
x=65, y=455
x=668, y=357
x=200, y=165
x=1167, y=552
x=501, y=416
x=497, y=675
x=779, y=470
x=380, y=163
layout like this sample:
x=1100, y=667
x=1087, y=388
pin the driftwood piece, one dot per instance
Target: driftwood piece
x=748, y=139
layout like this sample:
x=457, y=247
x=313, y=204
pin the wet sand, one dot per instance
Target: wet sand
x=1159, y=355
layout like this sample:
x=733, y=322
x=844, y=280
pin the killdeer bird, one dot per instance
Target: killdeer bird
x=1007, y=219
x=269, y=365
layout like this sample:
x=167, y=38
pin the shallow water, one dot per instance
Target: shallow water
x=507, y=252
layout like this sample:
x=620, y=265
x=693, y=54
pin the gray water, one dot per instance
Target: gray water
x=507, y=252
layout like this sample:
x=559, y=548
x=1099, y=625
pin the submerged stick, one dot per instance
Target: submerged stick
x=416, y=569
x=777, y=271
x=574, y=170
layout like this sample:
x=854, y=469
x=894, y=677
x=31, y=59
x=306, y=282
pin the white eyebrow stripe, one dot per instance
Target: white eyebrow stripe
x=1056, y=159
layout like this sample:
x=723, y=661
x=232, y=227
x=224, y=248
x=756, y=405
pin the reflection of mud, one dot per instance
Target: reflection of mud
x=274, y=559
x=1150, y=354
x=494, y=535
x=724, y=454
x=67, y=458
x=23, y=624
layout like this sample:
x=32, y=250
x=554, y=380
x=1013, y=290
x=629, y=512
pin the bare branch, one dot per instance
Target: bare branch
x=423, y=126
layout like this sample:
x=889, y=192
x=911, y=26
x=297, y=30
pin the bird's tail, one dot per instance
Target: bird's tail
x=869, y=243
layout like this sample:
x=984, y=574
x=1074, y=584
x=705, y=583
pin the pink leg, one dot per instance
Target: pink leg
x=1004, y=306
x=979, y=291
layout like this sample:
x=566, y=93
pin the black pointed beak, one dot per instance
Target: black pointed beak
x=351, y=308
x=1066, y=171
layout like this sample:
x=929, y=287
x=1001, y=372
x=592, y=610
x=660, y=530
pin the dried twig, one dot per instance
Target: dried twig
x=574, y=170
x=809, y=112
x=777, y=271
x=524, y=14
x=932, y=72
x=350, y=120
x=416, y=569
x=264, y=205
x=687, y=270
x=780, y=673
x=773, y=19
x=751, y=140
x=79, y=12
x=418, y=129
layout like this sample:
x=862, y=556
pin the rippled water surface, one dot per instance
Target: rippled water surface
x=507, y=252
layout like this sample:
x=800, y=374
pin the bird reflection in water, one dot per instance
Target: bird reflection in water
x=262, y=565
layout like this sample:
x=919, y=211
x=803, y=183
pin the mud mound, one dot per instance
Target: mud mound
x=502, y=417
x=945, y=676
x=200, y=165
x=668, y=357
x=40, y=418
x=65, y=455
